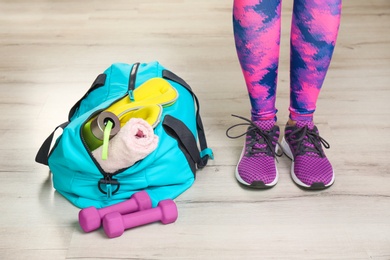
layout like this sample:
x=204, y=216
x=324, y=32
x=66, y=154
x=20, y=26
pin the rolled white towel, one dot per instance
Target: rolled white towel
x=134, y=141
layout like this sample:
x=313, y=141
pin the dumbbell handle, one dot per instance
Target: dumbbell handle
x=148, y=216
x=142, y=217
x=126, y=206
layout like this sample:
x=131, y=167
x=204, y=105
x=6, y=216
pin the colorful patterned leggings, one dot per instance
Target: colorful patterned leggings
x=314, y=30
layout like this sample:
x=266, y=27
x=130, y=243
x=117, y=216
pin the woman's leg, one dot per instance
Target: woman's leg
x=256, y=25
x=257, y=35
x=314, y=30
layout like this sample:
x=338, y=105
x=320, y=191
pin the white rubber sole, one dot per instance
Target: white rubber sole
x=288, y=153
x=240, y=180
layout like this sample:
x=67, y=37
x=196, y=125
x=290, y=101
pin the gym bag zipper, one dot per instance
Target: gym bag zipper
x=108, y=179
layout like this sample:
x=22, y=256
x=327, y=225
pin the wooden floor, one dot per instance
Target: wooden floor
x=51, y=51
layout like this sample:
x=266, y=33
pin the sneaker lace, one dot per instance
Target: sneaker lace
x=261, y=141
x=308, y=142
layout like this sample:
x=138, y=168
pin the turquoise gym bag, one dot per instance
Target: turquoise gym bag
x=165, y=173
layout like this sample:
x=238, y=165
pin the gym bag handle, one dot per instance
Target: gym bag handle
x=99, y=82
x=186, y=140
x=205, y=152
x=43, y=153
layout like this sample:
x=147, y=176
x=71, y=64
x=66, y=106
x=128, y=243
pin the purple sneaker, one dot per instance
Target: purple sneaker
x=257, y=165
x=310, y=168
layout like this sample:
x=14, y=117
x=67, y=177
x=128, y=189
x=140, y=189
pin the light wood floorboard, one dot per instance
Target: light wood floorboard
x=51, y=51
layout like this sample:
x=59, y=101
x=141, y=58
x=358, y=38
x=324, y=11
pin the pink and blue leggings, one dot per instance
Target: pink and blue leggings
x=314, y=30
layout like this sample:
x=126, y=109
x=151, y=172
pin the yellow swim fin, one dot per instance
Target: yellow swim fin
x=150, y=113
x=155, y=91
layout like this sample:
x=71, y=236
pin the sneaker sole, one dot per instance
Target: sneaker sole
x=256, y=184
x=314, y=186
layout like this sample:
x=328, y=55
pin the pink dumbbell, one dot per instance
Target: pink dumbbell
x=91, y=218
x=114, y=224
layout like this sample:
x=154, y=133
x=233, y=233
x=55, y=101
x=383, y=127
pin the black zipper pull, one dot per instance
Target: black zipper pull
x=132, y=78
x=108, y=182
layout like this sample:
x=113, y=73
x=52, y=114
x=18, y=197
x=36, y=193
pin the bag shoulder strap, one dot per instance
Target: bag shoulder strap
x=205, y=152
x=99, y=81
x=186, y=141
x=43, y=152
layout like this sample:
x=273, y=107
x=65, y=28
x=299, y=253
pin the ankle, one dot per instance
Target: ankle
x=265, y=124
x=300, y=123
x=291, y=122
